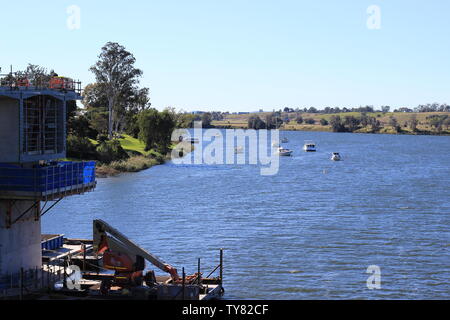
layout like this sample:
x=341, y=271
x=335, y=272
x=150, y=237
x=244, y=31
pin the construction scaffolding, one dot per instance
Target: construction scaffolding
x=41, y=125
x=33, y=117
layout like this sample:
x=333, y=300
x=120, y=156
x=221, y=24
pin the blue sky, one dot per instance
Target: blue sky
x=246, y=55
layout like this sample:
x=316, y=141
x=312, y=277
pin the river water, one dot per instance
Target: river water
x=309, y=232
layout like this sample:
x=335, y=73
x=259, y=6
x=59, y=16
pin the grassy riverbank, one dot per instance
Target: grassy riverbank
x=132, y=164
x=139, y=159
x=424, y=125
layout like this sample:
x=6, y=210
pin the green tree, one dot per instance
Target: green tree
x=336, y=124
x=131, y=101
x=273, y=120
x=447, y=123
x=364, y=119
x=394, y=124
x=115, y=71
x=206, y=120
x=79, y=126
x=375, y=125
x=155, y=129
x=80, y=148
x=111, y=150
x=95, y=102
x=351, y=123
x=385, y=109
x=255, y=122
x=413, y=123
x=437, y=121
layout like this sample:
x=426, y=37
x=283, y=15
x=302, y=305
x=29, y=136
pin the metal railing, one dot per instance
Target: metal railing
x=31, y=281
x=198, y=278
x=16, y=81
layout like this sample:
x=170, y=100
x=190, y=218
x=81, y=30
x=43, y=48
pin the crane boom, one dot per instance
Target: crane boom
x=101, y=228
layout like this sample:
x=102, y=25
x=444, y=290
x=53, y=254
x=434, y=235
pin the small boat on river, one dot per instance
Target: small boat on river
x=284, y=152
x=336, y=156
x=309, y=146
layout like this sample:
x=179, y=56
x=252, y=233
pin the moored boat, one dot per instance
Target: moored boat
x=336, y=156
x=284, y=152
x=309, y=146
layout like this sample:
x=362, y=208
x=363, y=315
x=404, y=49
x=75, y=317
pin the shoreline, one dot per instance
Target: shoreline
x=325, y=129
x=137, y=163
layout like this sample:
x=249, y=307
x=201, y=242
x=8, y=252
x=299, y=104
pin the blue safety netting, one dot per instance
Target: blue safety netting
x=57, y=176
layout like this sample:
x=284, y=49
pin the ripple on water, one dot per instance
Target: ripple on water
x=302, y=234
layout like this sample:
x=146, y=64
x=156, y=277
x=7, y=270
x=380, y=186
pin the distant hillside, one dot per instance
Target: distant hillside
x=436, y=123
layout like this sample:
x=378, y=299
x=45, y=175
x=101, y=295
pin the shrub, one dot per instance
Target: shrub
x=323, y=122
x=79, y=126
x=80, y=148
x=133, y=164
x=157, y=156
x=336, y=124
x=310, y=121
x=351, y=123
x=102, y=138
x=255, y=122
x=111, y=151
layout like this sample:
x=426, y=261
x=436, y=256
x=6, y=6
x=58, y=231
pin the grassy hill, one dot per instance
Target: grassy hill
x=424, y=126
x=129, y=143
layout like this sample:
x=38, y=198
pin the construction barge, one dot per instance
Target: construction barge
x=108, y=267
x=112, y=267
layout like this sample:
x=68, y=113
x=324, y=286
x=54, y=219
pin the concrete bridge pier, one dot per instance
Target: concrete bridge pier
x=20, y=236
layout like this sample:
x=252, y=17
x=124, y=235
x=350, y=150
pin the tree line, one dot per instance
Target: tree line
x=351, y=123
x=432, y=107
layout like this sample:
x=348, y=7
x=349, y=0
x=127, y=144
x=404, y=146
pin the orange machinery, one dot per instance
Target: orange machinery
x=61, y=83
x=125, y=257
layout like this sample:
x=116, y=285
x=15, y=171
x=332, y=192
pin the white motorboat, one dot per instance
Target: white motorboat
x=309, y=146
x=284, y=152
x=284, y=140
x=336, y=156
